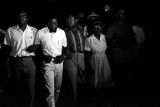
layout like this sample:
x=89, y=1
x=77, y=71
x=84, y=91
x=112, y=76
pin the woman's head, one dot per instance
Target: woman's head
x=97, y=27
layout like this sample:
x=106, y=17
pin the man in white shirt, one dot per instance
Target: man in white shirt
x=19, y=38
x=53, y=43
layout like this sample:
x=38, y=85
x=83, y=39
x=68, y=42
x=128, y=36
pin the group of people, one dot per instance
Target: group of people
x=80, y=52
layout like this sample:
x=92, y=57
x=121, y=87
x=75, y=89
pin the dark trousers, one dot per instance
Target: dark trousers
x=72, y=67
x=23, y=75
x=121, y=65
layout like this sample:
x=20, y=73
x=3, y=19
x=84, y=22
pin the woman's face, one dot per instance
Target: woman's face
x=97, y=29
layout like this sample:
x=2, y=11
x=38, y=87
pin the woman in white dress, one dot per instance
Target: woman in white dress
x=96, y=45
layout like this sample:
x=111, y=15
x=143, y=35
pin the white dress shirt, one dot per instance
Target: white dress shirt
x=51, y=43
x=19, y=40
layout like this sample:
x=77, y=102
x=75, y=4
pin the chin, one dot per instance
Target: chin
x=55, y=30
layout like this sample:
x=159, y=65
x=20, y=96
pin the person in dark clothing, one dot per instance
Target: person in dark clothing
x=2, y=65
x=120, y=39
x=108, y=17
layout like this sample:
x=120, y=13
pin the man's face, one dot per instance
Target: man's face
x=23, y=18
x=107, y=8
x=122, y=14
x=53, y=24
x=71, y=21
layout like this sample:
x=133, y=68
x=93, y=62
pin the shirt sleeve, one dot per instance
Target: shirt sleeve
x=7, y=38
x=34, y=32
x=64, y=40
x=37, y=38
x=87, y=45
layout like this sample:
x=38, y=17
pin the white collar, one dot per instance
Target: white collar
x=27, y=27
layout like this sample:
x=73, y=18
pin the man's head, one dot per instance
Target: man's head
x=72, y=21
x=122, y=14
x=23, y=18
x=107, y=7
x=53, y=23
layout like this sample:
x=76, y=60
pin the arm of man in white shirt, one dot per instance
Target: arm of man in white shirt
x=61, y=57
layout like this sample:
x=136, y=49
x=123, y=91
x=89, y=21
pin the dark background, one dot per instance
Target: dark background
x=142, y=10
x=39, y=9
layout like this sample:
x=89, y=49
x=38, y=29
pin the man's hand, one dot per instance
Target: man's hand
x=32, y=48
x=47, y=59
x=59, y=59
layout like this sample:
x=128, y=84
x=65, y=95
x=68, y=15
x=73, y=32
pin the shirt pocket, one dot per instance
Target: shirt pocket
x=29, y=40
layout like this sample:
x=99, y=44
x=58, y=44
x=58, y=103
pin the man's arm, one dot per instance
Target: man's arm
x=32, y=48
x=60, y=58
x=6, y=48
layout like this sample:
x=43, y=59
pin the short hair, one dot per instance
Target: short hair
x=22, y=11
x=72, y=15
x=52, y=16
x=19, y=12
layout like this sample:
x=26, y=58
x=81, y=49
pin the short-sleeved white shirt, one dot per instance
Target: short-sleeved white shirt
x=51, y=43
x=19, y=40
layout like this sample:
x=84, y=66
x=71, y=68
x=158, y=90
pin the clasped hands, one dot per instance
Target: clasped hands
x=56, y=60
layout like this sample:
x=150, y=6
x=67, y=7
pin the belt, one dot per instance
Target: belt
x=77, y=51
x=48, y=59
x=21, y=58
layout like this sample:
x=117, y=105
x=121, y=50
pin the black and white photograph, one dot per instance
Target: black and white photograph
x=79, y=53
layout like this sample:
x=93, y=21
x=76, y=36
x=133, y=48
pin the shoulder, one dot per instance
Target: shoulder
x=12, y=28
x=42, y=30
x=102, y=35
x=113, y=26
x=32, y=28
x=90, y=37
x=81, y=29
x=66, y=29
x=60, y=31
